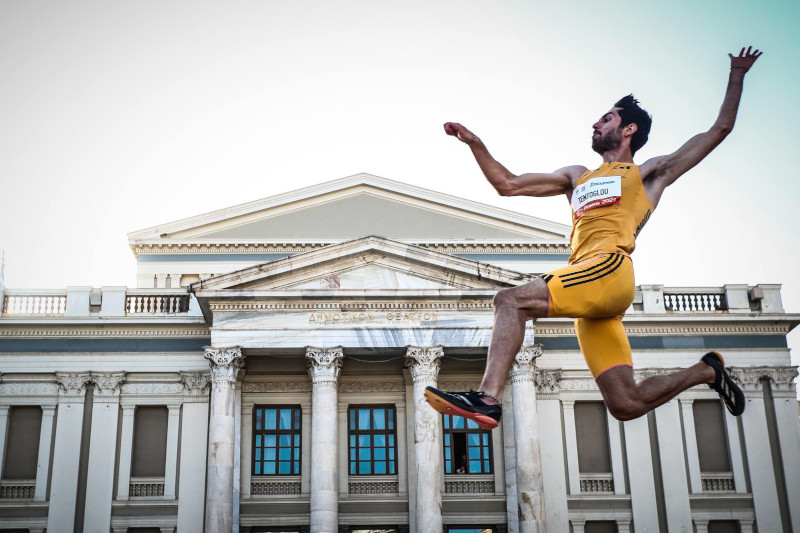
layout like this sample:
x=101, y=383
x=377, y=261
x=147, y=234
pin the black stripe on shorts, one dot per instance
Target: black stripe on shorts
x=618, y=259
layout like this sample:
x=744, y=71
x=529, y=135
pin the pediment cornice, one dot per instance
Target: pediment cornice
x=529, y=229
x=445, y=269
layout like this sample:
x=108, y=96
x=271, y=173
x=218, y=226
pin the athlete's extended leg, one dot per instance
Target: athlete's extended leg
x=608, y=354
x=512, y=309
x=627, y=400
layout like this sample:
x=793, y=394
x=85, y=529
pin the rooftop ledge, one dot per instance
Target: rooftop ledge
x=123, y=302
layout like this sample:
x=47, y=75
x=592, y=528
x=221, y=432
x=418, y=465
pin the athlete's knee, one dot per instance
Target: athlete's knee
x=625, y=408
x=506, y=298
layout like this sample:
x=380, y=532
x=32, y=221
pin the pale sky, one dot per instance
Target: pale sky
x=117, y=116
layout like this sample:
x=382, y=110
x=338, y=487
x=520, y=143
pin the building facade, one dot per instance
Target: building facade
x=266, y=374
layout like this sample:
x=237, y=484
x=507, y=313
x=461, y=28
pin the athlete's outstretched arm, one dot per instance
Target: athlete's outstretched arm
x=507, y=183
x=661, y=172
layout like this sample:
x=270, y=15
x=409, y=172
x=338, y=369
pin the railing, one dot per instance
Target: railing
x=717, y=482
x=694, y=302
x=597, y=483
x=137, y=304
x=144, y=487
x=33, y=305
x=372, y=487
x=468, y=484
x=273, y=487
x=22, y=489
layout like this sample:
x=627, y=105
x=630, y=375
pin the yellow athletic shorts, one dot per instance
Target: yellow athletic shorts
x=595, y=292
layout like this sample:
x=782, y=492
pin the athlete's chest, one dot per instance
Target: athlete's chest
x=605, y=187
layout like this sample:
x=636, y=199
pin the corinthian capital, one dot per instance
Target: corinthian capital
x=424, y=362
x=195, y=386
x=225, y=363
x=107, y=384
x=524, y=364
x=324, y=364
x=72, y=384
x=547, y=381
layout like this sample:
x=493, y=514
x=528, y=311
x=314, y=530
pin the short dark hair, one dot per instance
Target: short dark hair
x=631, y=113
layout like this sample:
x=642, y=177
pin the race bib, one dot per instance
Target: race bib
x=596, y=192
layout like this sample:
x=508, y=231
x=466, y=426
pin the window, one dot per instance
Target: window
x=276, y=441
x=22, y=446
x=591, y=428
x=467, y=447
x=712, y=445
x=471, y=529
x=149, y=441
x=605, y=526
x=723, y=526
x=372, y=440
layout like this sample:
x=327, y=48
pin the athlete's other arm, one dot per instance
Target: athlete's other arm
x=509, y=184
x=660, y=172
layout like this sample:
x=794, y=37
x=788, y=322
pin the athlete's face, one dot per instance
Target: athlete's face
x=607, y=132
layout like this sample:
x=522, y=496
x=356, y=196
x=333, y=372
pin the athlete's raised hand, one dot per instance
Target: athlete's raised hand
x=745, y=59
x=459, y=132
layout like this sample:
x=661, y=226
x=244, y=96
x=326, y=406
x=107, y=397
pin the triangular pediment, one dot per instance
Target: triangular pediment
x=370, y=263
x=352, y=208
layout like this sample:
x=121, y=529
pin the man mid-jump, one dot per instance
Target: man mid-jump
x=610, y=205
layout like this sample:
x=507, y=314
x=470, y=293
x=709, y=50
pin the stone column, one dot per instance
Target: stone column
x=66, y=451
x=3, y=430
x=617, y=457
x=125, y=452
x=756, y=438
x=323, y=367
x=784, y=397
x=225, y=365
x=423, y=364
x=510, y=461
x=670, y=447
x=102, y=450
x=171, y=460
x=571, y=445
x=690, y=439
x=530, y=495
x=194, y=445
x=247, y=451
x=43, y=463
x=554, y=482
x=640, y=471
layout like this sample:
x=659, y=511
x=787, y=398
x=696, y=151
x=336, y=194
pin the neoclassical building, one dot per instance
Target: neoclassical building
x=266, y=374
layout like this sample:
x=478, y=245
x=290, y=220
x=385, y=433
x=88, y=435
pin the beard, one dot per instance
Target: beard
x=609, y=141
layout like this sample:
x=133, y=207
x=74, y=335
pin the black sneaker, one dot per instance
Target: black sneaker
x=731, y=394
x=466, y=404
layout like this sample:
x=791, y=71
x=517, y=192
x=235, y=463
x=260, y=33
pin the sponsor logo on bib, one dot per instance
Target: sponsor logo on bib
x=596, y=192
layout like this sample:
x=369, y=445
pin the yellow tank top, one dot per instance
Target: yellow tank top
x=609, y=209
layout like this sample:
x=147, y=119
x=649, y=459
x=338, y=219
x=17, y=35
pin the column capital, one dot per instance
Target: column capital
x=547, y=382
x=72, y=384
x=324, y=364
x=225, y=363
x=424, y=362
x=781, y=378
x=107, y=385
x=195, y=386
x=524, y=364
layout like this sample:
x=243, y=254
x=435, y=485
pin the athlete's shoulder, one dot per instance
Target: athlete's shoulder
x=573, y=172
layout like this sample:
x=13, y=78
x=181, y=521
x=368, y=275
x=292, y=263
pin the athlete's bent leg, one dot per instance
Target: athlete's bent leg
x=627, y=400
x=512, y=308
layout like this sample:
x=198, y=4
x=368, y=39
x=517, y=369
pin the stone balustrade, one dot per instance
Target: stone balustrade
x=597, y=483
x=125, y=302
x=88, y=302
x=22, y=489
x=718, y=482
x=146, y=487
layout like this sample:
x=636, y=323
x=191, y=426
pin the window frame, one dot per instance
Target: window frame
x=295, y=431
x=352, y=420
x=466, y=430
